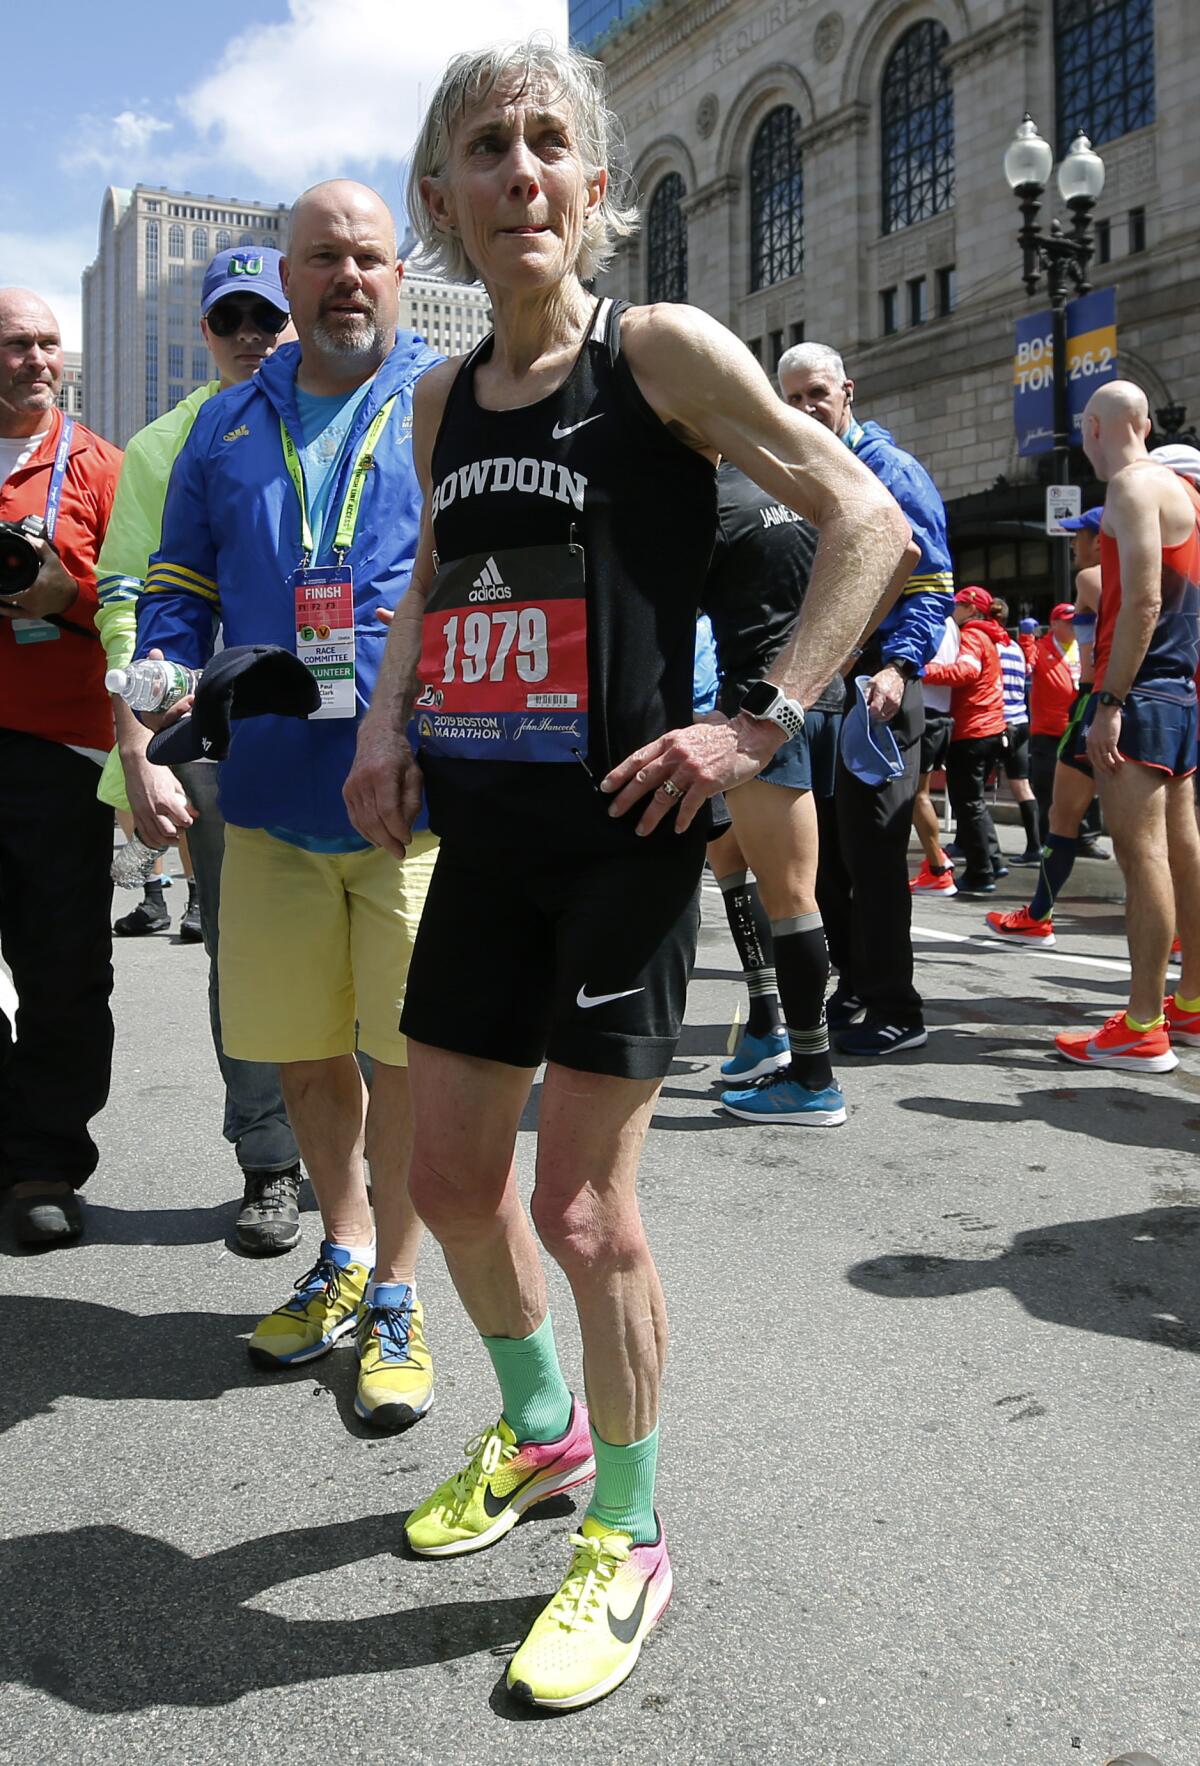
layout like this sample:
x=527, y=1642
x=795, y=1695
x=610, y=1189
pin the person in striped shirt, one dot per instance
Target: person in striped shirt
x=1014, y=676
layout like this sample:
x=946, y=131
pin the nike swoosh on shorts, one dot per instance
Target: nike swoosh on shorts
x=583, y=1000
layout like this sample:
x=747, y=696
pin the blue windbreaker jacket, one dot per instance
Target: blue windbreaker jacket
x=230, y=542
x=913, y=629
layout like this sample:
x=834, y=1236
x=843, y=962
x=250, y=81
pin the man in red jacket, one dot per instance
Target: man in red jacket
x=977, y=707
x=55, y=837
x=1052, y=688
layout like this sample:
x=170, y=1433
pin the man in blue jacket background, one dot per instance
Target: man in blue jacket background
x=862, y=887
x=292, y=519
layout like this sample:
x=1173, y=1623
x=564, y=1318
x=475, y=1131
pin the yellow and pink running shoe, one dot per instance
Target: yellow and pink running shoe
x=501, y=1479
x=588, y=1639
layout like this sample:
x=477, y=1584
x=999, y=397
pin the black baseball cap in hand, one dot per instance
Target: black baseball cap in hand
x=247, y=680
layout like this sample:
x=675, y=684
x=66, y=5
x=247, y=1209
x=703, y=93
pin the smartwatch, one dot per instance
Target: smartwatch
x=764, y=701
x=1107, y=698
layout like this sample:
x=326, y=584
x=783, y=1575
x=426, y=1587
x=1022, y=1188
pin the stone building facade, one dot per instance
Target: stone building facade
x=740, y=112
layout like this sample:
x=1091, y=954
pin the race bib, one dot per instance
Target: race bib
x=324, y=599
x=503, y=672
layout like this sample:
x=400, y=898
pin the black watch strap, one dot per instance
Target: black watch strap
x=1107, y=698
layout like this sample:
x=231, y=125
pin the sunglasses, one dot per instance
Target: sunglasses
x=228, y=316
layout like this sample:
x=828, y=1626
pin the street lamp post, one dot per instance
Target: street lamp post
x=1063, y=260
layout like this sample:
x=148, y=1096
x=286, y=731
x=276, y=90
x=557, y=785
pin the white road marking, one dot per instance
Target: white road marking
x=980, y=941
x=8, y=997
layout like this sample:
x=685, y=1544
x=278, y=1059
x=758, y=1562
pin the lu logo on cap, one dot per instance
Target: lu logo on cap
x=240, y=266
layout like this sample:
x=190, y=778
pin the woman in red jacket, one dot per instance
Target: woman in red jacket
x=977, y=707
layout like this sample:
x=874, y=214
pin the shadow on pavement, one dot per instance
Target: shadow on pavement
x=1110, y=1114
x=56, y=1348
x=158, y=1226
x=111, y=1620
x=1130, y=1275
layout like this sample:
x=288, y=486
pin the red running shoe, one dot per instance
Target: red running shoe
x=930, y=882
x=1118, y=1045
x=1020, y=927
x=1181, y=1026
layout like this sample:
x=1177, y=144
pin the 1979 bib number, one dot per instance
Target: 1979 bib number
x=479, y=645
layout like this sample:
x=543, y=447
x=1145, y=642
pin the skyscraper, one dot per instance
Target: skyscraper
x=143, y=351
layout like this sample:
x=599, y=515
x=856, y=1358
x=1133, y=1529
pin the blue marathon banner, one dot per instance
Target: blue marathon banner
x=1091, y=360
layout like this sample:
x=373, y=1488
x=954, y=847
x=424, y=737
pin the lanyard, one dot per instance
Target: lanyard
x=348, y=519
x=54, y=494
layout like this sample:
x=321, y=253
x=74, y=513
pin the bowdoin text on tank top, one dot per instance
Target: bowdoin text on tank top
x=1169, y=665
x=573, y=538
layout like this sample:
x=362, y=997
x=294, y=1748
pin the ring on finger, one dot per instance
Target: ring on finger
x=670, y=789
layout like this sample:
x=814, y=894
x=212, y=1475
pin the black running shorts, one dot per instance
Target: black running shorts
x=579, y=960
x=1070, y=750
x=1015, y=759
x=935, y=741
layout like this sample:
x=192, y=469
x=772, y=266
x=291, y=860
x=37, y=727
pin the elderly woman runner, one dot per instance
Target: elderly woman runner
x=544, y=653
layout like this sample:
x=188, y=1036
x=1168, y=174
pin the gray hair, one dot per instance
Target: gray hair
x=538, y=63
x=811, y=358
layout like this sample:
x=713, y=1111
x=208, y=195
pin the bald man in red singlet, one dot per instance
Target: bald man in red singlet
x=1141, y=728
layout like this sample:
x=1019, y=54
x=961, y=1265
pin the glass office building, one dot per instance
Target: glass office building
x=590, y=19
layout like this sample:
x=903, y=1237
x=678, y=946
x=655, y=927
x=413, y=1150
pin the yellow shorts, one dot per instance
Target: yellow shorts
x=314, y=944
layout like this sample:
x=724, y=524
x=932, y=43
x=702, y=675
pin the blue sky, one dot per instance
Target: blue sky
x=254, y=99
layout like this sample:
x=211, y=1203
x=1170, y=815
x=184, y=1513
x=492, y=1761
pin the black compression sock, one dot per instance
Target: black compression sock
x=802, y=964
x=752, y=935
x=1058, y=858
x=1029, y=817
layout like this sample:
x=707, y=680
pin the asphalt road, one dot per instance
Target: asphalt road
x=929, y=1468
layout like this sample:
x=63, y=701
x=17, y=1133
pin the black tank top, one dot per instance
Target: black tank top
x=573, y=537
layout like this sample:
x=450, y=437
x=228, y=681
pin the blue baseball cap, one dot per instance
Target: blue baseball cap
x=1090, y=519
x=869, y=749
x=1027, y=625
x=247, y=269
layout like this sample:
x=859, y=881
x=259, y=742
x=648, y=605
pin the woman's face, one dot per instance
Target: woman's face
x=516, y=190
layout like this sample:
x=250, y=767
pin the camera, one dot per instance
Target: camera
x=20, y=559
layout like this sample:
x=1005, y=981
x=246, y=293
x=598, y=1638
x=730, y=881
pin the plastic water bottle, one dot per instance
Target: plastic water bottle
x=133, y=864
x=152, y=686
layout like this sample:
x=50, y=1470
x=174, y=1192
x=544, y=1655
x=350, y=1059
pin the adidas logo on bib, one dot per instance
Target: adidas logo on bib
x=490, y=585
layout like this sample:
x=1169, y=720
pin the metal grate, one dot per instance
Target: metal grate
x=1104, y=68
x=917, y=117
x=776, y=200
x=666, y=242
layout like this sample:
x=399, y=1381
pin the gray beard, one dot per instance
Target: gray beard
x=349, y=344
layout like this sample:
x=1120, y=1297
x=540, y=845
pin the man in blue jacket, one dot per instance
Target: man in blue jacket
x=863, y=888
x=292, y=519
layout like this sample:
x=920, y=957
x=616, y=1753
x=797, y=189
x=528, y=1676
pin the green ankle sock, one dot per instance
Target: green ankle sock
x=624, y=1493
x=534, y=1397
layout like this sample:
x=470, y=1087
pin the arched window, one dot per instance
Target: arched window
x=1104, y=68
x=200, y=245
x=666, y=242
x=175, y=242
x=224, y=240
x=246, y=239
x=917, y=114
x=776, y=200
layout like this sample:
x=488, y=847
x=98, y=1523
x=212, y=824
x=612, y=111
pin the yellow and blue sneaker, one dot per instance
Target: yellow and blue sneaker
x=501, y=1479
x=587, y=1641
x=323, y=1308
x=395, y=1369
